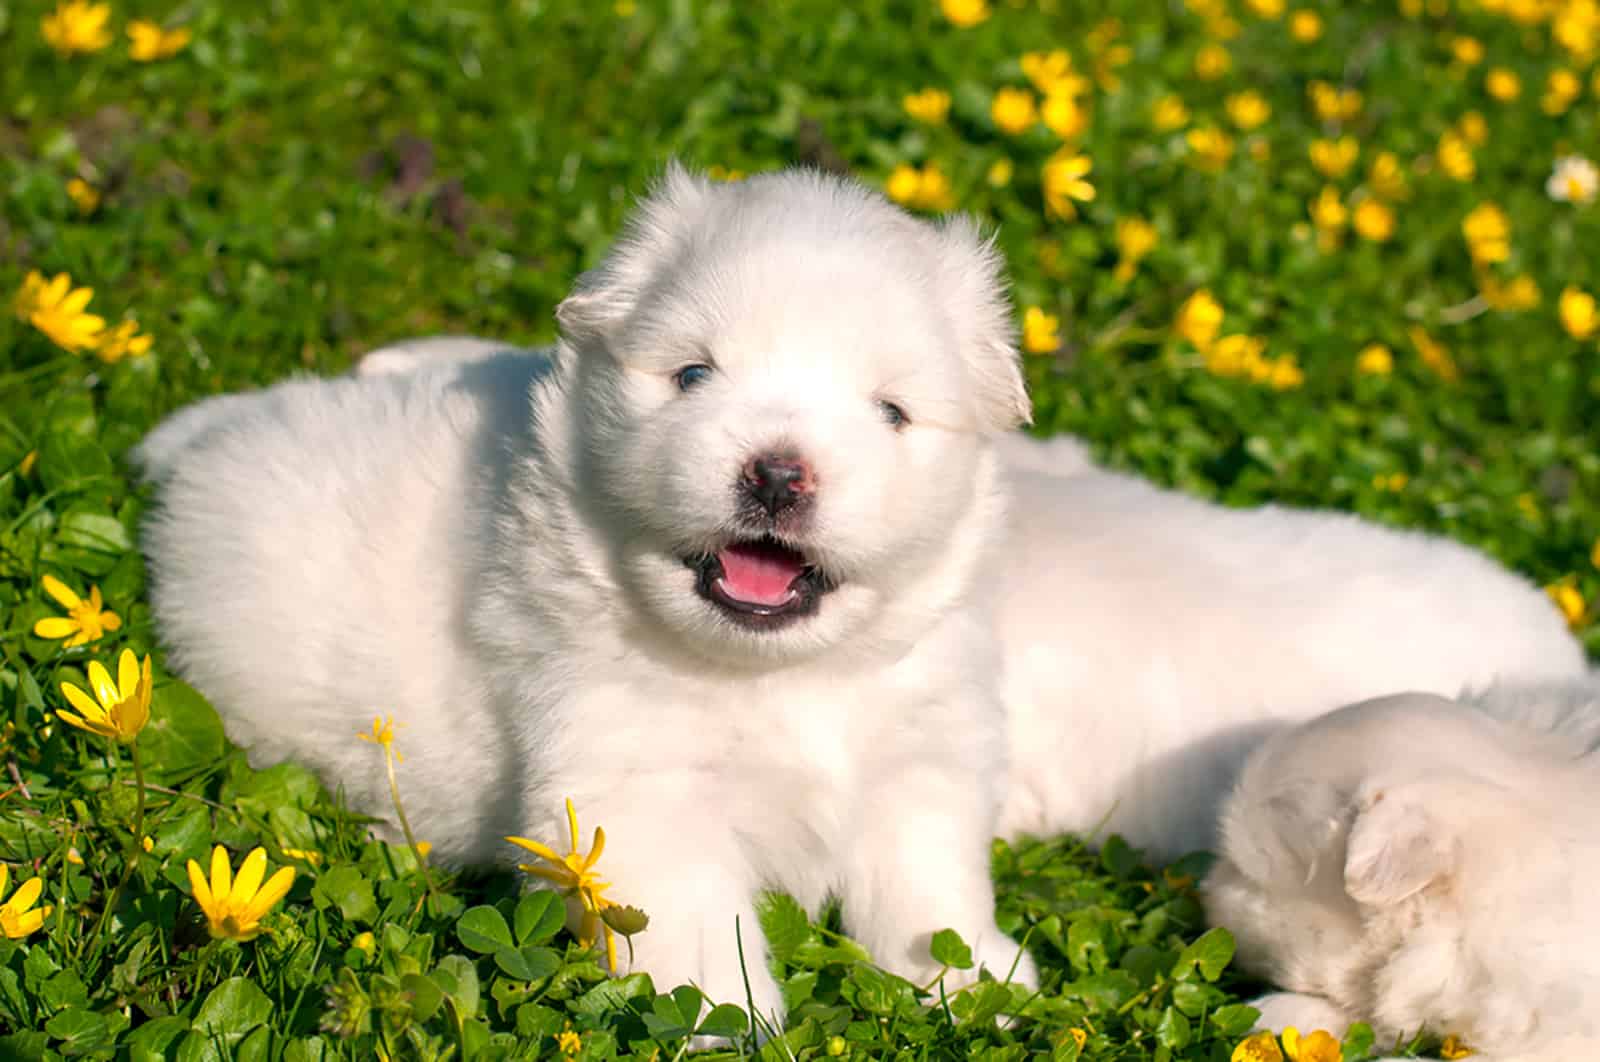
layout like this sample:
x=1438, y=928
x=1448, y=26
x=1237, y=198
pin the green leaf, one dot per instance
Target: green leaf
x=458, y=978
x=784, y=923
x=78, y=1030
x=948, y=949
x=530, y=963
x=612, y=995
x=1234, y=1019
x=539, y=916
x=152, y=1041
x=725, y=1020
x=348, y=889
x=484, y=930
x=232, y=1009
x=184, y=733
x=1210, y=954
x=426, y=995
x=1173, y=1030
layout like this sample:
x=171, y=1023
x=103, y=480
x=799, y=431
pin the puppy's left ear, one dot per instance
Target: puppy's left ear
x=1400, y=843
x=972, y=286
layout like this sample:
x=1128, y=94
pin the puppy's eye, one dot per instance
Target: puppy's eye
x=691, y=376
x=893, y=415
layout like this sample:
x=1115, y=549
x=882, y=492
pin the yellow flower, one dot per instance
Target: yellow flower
x=1468, y=51
x=1473, y=127
x=574, y=876
x=1333, y=158
x=1000, y=173
x=1236, y=355
x=1373, y=221
x=1574, y=180
x=1319, y=1046
x=965, y=13
x=1136, y=238
x=569, y=1043
x=1488, y=234
x=1521, y=293
x=1386, y=176
x=1210, y=148
x=1576, y=27
x=1375, y=359
x=1305, y=26
x=123, y=706
x=904, y=184
x=1079, y=1036
x=1502, y=84
x=1569, y=600
x=365, y=943
x=1578, y=314
x=1041, y=332
x=76, y=26
x=1332, y=103
x=1014, y=111
x=1052, y=74
x=1270, y=9
x=1169, y=114
x=18, y=915
x=84, y=195
x=1260, y=1047
x=1455, y=157
x=1560, y=89
x=934, y=191
x=121, y=342
x=1454, y=1049
x=233, y=906
x=1434, y=354
x=150, y=42
x=303, y=854
x=718, y=172
x=1106, y=66
x=1211, y=62
x=1330, y=216
x=1594, y=554
x=931, y=105
x=85, y=621
x=56, y=309
x=1199, y=319
x=1064, y=115
x=382, y=734
x=1248, y=109
x=1065, y=180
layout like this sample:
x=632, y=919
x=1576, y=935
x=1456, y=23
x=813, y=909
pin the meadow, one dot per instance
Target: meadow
x=1330, y=254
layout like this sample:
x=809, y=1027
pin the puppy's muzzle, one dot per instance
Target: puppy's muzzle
x=778, y=482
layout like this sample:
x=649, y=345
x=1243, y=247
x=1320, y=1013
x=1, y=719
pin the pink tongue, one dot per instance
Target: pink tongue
x=759, y=573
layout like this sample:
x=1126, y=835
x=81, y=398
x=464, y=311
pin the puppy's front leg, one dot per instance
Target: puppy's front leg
x=1305, y=1012
x=919, y=864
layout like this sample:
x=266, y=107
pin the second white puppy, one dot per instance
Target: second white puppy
x=1425, y=864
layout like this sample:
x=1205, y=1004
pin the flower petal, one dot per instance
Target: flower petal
x=110, y=620
x=251, y=871
x=26, y=896
x=127, y=674
x=572, y=821
x=100, y=682
x=5, y=877
x=64, y=594
x=56, y=627
x=599, y=846
x=31, y=921
x=221, y=875
x=81, y=701
x=276, y=888
x=540, y=850
x=202, y=891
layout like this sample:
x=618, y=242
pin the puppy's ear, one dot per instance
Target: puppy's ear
x=656, y=233
x=1400, y=842
x=972, y=286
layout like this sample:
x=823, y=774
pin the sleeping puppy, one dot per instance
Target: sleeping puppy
x=1423, y=864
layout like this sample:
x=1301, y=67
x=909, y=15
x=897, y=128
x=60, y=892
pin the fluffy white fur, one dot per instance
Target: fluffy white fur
x=487, y=544
x=1421, y=863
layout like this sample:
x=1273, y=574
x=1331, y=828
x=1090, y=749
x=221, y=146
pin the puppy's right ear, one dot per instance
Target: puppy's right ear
x=655, y=233
x=1400, y=842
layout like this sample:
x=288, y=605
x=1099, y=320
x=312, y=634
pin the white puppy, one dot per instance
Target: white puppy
x=1419, y=863
x=722, y=584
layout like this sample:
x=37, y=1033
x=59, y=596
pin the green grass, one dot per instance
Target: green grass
x=308, y=180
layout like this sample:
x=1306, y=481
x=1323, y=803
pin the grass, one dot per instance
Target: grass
x=305, y=181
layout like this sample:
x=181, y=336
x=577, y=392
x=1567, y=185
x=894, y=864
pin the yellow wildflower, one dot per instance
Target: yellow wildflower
x=1333, y=158
x=575, y=878
x=1454, y=1049
x=1224, y=27
x=56, y=309
x=1259, y=1047
x=305, y=855
x=1387, y=177
x=1000, y=173
x=1014, y=111
x=1136, y=238
x=569, y=1043
x=1064, y=115
x=718, y=172
x=149, y=42
x=1578, y=313
x=1319, y=1046
x=84, y=196
x=1473, y=128
x=365, y=943
x=1106, y=66
x=1210, y=148
x=1569, y=599
x=1373, y=221
x=1199, y=319
x=1574, y=180
x=1330, y=216
x=1041, y=332
x=76, y=26
x=118, y=710
x=85, y=621
x=1236, y=355
x=1455, y=157
x=1560, y=89
x=1211, y=62
x=382, y=733
x=233, y=906
x=1504, y=85
x=1375, y=359
x=1079, y=1036
x=1488, y=234
x=1520, y=293
x=123, y=341
x=1468, y=51
x=1434, y=354
x=1046, y=70
x=1065, y=180
x=1248, y=109
x=1576, y=27
x=1305, y=26
x=1269, y=9
x=1169, y=114
x=935, y=193
x=18, y=915
x=931, y=105
x=1594, y=554
x=965, y=13
x=904, y=184
x=1332, y=103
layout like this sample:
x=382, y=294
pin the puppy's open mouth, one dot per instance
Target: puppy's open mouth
x=759, y=582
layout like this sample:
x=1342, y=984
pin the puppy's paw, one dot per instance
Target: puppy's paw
x=710, y=960
x=1306, y=1013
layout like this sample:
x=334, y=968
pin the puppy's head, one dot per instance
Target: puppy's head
x=785, y=385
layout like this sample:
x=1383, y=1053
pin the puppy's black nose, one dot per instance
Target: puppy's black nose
x=777, y=481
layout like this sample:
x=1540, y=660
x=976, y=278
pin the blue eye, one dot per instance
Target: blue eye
x=893, y=415
x=691, y=376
